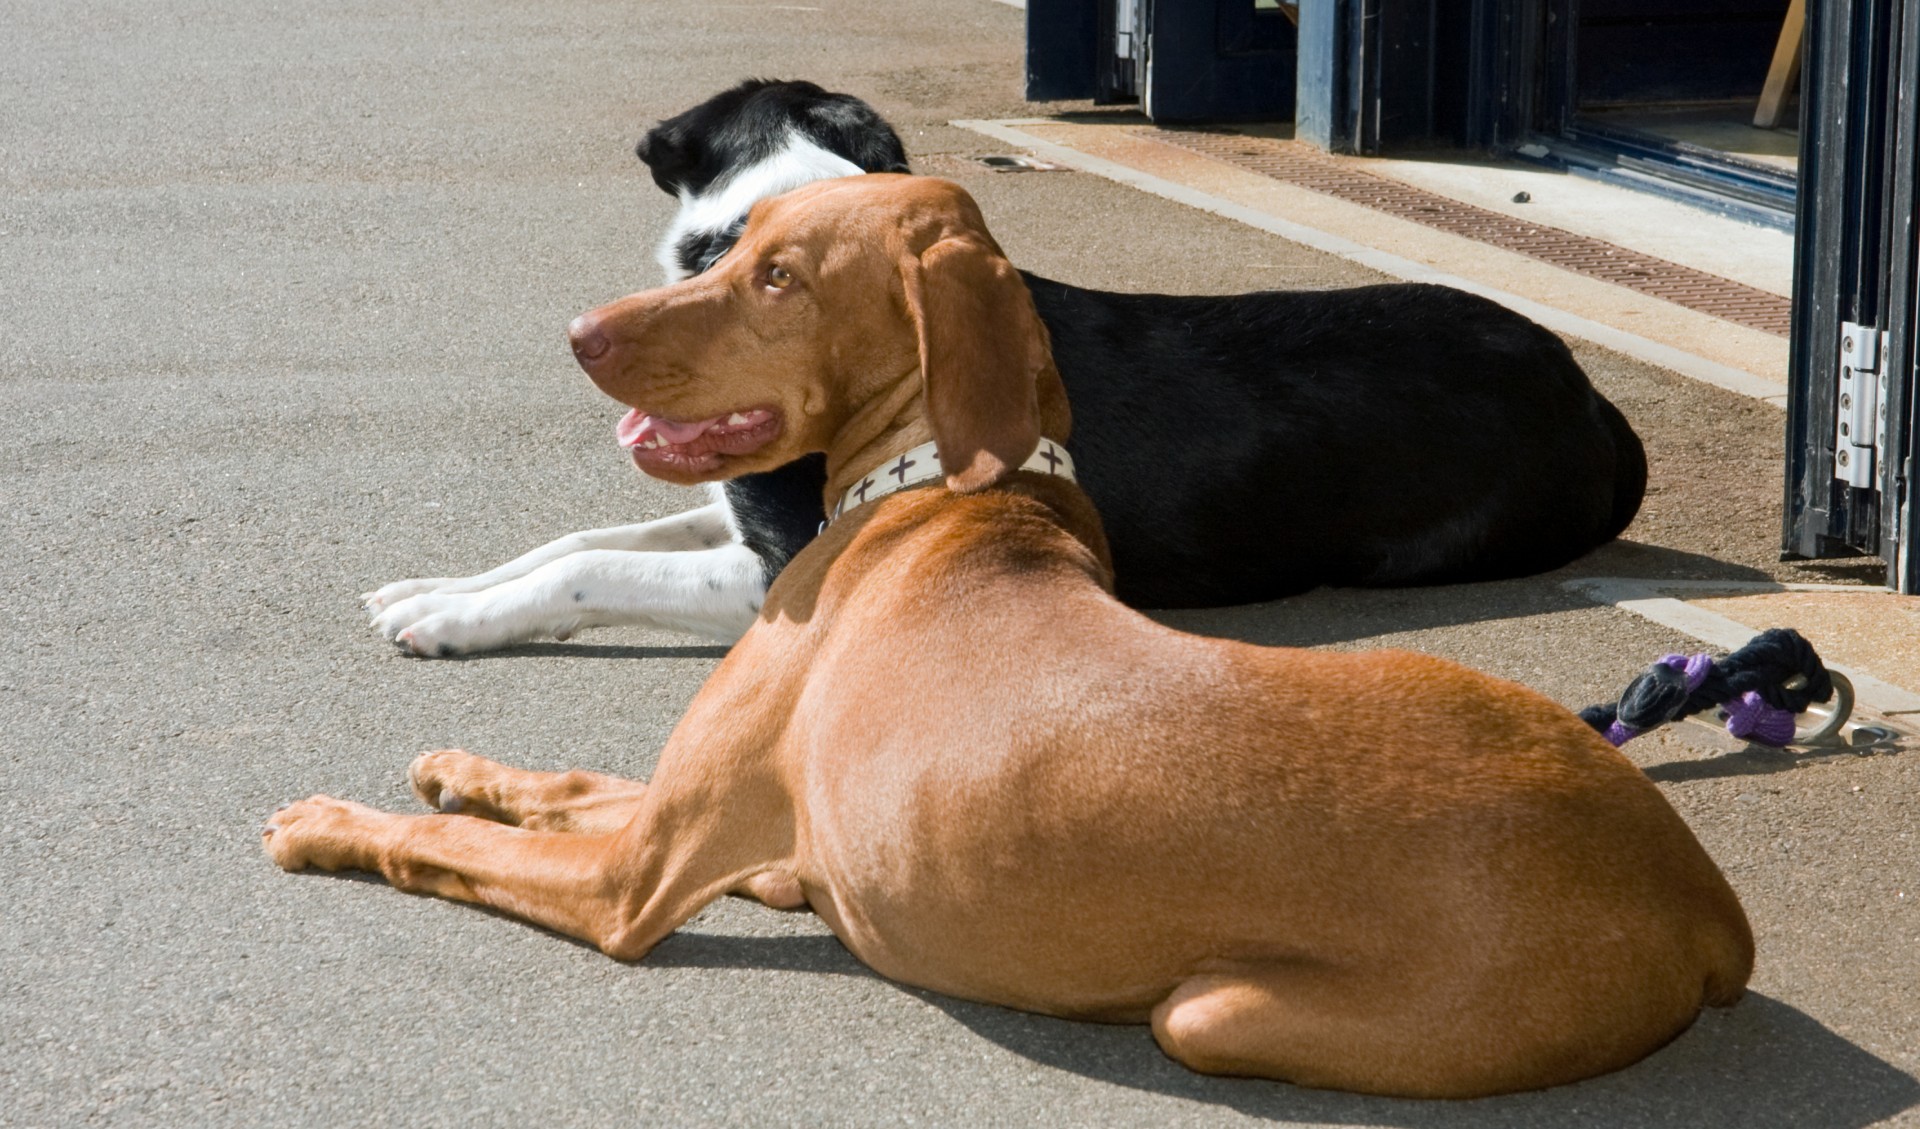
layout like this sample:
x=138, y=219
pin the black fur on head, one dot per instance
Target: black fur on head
x=748, y=123
x=697, y=251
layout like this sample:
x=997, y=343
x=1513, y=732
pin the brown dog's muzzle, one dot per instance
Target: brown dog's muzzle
x=610, y=340
x=656, y=352
x=624, y=344
x=611, y=344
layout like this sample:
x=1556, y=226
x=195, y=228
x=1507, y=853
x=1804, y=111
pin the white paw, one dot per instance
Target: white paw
x=388, y=595
x=443, y=624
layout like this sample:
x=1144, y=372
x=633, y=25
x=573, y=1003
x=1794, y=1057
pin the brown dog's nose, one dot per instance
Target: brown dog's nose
x=589, y=344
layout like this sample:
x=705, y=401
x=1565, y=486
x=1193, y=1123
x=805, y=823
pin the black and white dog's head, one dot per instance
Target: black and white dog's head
x=759, y=139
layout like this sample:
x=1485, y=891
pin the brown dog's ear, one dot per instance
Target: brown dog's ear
x=982, y=350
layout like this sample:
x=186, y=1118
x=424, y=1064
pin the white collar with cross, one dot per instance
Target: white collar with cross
x=922, y=464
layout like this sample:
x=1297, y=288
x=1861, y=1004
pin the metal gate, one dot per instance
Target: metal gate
x=1184, y=60
x=1851, y=435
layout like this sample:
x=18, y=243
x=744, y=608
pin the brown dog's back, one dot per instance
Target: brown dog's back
x=1076, y=810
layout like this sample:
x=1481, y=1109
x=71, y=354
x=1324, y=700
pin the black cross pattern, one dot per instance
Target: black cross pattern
x=899, y=469
x=1053, y=460
x=866, y=484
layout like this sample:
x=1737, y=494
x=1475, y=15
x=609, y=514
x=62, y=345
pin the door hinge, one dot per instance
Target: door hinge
x=1860, y=419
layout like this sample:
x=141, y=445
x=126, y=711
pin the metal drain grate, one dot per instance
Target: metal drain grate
x=1299, y=165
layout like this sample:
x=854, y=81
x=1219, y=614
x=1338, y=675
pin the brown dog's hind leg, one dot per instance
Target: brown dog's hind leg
x=1377, y=1033
x=588, y=803
x=1301, y=1026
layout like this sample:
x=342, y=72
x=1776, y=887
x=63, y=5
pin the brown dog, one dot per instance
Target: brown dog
x=1377, y=872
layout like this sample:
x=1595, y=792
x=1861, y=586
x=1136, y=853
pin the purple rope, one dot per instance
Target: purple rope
x=1749, y=717
x=1695, y=667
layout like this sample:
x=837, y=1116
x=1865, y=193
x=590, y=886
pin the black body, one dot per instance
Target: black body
x=1249, y=447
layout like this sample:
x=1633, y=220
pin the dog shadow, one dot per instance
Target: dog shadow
x=1647, y=561
x=1328, y=616
x=1759, y=1065
x=1759, y=760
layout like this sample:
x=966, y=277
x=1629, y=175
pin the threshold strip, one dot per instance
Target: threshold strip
x=1299, y=165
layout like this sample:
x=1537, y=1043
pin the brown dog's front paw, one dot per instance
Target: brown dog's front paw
x=321, y=831
x=447, y=780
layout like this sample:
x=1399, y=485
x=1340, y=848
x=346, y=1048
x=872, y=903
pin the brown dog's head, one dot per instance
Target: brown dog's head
x=857, y=317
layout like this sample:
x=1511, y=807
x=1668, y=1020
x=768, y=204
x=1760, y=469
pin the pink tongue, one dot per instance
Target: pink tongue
x=633, y=427
x=630, y=428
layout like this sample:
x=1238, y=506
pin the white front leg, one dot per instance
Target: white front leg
x=716, y=593
x=708, y=527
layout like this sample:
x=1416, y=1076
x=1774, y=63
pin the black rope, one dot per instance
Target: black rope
x=1764, y=666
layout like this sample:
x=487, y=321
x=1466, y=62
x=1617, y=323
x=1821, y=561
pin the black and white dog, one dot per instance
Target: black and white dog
x=1239, y=448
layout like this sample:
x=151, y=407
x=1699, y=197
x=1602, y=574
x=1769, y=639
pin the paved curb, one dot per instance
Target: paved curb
x=1640, y=348
x=1656, y=600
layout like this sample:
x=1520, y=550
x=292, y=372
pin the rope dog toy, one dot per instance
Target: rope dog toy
x=1761, y=687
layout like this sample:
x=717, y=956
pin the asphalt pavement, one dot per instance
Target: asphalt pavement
x=282, y=298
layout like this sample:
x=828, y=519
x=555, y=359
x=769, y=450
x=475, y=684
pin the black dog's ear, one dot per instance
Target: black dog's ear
x=666, y=155
x=697, y=251
x=847, y=126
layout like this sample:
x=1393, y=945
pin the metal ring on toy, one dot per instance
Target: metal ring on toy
x=1826, y=718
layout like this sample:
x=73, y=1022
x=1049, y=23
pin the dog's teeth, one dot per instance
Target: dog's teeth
x=736, y=419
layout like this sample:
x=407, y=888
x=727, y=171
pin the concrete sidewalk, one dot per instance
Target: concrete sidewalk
x=285, y=291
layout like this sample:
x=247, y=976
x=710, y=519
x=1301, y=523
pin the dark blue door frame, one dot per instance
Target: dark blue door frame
x=1853, y=440
x=1186, y=60
x=1063, y=48
x=1368, y=71
x=1217, y=60
x=1377, y=72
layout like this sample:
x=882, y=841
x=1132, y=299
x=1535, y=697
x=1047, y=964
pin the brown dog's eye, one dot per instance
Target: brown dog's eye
x=778, y=278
